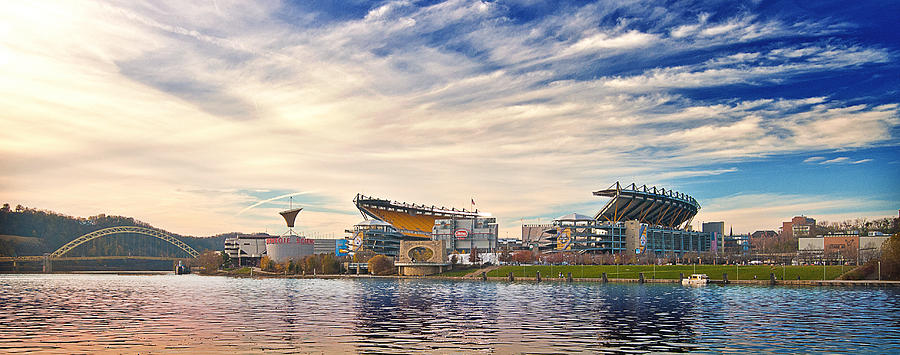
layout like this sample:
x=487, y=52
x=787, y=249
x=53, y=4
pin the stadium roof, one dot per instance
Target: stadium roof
x=409, y=218
x=373, y=222
x=574, y=217
x=651, y=205
x=412, y=207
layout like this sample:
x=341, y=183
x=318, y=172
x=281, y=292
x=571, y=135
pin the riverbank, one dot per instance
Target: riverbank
x=258, y=274
x=94, y=272
x=676, y=272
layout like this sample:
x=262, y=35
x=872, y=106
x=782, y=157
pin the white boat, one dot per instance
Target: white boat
x=695, y=279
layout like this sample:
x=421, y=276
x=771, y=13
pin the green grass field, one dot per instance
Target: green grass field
x=241, y=271
x=744, y=272
x=458, y=272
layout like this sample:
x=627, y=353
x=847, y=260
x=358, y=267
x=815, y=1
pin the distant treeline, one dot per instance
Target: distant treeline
x=29, y=231
x=886, y=225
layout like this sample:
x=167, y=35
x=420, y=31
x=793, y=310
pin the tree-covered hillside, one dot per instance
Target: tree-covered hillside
x=29, y=231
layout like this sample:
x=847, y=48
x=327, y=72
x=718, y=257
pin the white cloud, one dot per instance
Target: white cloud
x=836, y=160
x=134, y=109
x=694, y=173
x=733, y=69
x=813, y=159
x=744, y=27
x=629, y=40
x=276, y=198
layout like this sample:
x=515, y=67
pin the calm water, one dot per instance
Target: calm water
x=187, y=314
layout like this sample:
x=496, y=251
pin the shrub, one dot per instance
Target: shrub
x=861, y=272
x=210, y=261
x=362, y=256
x=473, y=256
x=505, y=256
x=312, y=265
x=523, y=256
x=330, y=264
x=890, y=258
x=381, y=265
x=291, y=267
x=267, y=264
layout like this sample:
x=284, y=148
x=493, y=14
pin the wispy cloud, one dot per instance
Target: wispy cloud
x=813, y=159
x=272, y=199
x=837, y=160
x=133, y=108
x=694, y=173
x=842, y=160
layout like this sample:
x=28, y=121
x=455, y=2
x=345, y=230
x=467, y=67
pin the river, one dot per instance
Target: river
x=71, y=313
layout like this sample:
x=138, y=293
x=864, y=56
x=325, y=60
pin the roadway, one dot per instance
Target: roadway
x=75, y=258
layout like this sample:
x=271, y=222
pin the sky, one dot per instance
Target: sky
x=206, y=117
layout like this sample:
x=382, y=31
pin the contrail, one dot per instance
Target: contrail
x=273, y=199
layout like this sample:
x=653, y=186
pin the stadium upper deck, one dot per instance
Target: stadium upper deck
x=410, y=219
x=650, y=205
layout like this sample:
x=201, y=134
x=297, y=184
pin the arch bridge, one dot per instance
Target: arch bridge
x=58, y=254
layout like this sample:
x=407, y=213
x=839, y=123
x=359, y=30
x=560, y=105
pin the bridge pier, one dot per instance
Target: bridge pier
x=48, y=264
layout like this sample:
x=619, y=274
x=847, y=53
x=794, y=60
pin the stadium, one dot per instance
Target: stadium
x=410, y=219
x=637, y=220
x=640, y=220
x=461, y=229
x=649, y=205
x=377, y=236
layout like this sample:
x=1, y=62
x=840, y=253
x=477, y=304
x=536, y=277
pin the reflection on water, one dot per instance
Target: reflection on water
x=95, y=313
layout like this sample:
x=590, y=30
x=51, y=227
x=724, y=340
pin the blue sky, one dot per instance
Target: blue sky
x=185, y=115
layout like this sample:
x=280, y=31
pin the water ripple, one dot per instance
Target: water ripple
x=188, y=314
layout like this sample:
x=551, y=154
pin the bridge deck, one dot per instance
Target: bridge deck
x=74, y=258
